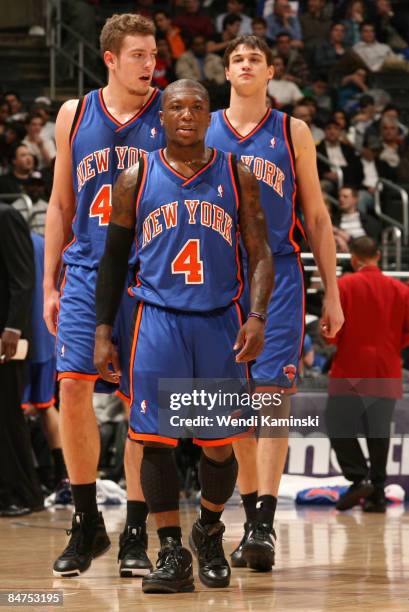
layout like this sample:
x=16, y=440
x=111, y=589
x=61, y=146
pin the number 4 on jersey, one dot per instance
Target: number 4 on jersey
x=188, y=262
x=101, y=206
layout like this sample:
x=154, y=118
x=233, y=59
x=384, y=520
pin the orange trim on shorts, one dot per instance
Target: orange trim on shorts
x=133, y=351
x=224, y=441
x=39, y=405
x=77, y=125
x=151, y=438
x=77, y=376
x=122, y=396
x=275, y=389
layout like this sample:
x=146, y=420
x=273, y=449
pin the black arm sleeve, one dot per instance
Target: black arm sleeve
x=112, y=273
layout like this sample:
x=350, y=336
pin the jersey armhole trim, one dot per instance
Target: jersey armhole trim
x=77, y=118
x=235, y=178
x=140, y=181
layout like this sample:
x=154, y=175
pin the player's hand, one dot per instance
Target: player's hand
x=9, y=341
x=250, y=340
x=50, y=310
x=105, y=354
x=332, y=318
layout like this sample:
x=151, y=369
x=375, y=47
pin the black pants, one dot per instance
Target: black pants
x=18, y=479
x=349, y=417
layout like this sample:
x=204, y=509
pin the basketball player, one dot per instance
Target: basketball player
x=97, y=138
x=281, y=154
x=188, y=319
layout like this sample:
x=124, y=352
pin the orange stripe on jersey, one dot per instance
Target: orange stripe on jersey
x=133, y=351
x=151, y=438
x=238, y=262
x=77, y=125
x=122, y=396
x=77, y=376
x=137, y=202
x=253, y=131
x=43, y=405
x=137, y=114
x=293, y=215
x=186, y=179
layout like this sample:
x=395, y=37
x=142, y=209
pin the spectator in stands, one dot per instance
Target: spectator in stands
x=331, y=51
x=172, y=33
x=366, y=374
x=352, y=86
x=146, y=7
x=43, y=150
x=340, y=156
x=295, y=65
x=390, y=142
x=354, y=16
x=340, y=117
x=350, y=223
x=259, y=29
x=4, y=114
x=374, y=168
x=219, y=42
x=391, y=27
x=373, y=53
x=283, y=20
x=22, y=165
x=17, y=110
x=373, y=132
x=283, y=91
x=35, y=189
x=199, y=65
x=42, y=107
x=302, y=110
x=193, y=22
x=20, y=491
x=235, y=7
x=360, y=122
x=319, y=91
x=315, y=25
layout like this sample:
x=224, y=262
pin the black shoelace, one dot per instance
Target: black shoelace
x=76, y=543
x=132, y=542
x=213, y=550
x=169, y=558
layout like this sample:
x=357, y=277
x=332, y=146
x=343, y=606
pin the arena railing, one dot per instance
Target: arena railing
x=404, y=200
x=21, y=202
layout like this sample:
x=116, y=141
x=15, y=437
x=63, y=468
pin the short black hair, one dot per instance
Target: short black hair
x=282, y=34
x=230, y=20
x=15, y=147
x=11, y=92
x=353, y=189
x=364, y=247
x=248, y=40
x=185, y=84
x=364, y=24
x=366, y=100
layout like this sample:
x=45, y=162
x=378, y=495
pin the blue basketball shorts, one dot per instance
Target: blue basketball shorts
x=76, y=331
x=40, y=384
x=277, y=366
x=178, y=345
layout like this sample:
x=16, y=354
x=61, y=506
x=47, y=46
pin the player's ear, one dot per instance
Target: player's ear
x=226, y=71
x=270, y=72
x=109, y=59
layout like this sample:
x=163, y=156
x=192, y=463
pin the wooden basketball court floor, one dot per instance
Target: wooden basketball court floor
x=325, y=560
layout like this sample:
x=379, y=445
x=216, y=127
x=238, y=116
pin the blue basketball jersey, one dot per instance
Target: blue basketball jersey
x=268, y=153
x=101, y=149
x=42, y=342
x=187, y=235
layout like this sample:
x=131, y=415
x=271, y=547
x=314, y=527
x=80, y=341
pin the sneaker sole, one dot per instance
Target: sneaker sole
x=209, y=583
x=353, y=498
x=238, y=564
x=258, y=559
x=77, y=572
x=158, y=586
x=132, y=573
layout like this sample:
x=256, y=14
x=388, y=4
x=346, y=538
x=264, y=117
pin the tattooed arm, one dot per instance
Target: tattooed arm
x=113, y=270
x=261, y=270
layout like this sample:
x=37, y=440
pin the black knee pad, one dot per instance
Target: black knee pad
x=159, y=479
x=217, y=480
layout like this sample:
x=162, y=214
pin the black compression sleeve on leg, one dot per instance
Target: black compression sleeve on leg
x=159, y=479
x=112, y=273
x=217, y=480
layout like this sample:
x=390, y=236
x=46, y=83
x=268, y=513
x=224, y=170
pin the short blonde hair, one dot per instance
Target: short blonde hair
x=118, y=26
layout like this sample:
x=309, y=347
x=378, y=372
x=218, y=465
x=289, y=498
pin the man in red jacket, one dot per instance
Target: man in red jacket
x=366, y=374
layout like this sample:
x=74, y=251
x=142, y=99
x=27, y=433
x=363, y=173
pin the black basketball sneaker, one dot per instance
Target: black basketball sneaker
x=236, y=557
x=133, y=544
x=173, y=572
x=206, y=541
x=259, y=548
x=89, y=540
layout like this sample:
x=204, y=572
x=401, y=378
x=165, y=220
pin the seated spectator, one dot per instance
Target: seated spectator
x=17, y=110
x=373, y=132
x=319, y=91
x=295, y=65
x=361, y=121
x=283, y=20
x=355, y=15
x=392, y=28
x=331, y=51
x=193, y=22
x=43, y=150
x=374, y=168
x=172, y=33
x=22, y=165
x=4, y=114
x=259, y=29
x=164, y=72
x=340, y=117
x=235, y=7
x=302, y=110
x=42, y=106
x=315, y=25
x=349, y=223
x=35, y=189
x=283, y=91
x=219, y=42
x=390, y=142
x=199, y=65
x=341, y=156
x=373, y=53
x=352, y=86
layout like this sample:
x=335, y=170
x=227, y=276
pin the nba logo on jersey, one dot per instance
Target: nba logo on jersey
x=62, y=350
x=154, y=131
x=144, y=406
x=290, y=371
x=273, y=142
x=220, y=191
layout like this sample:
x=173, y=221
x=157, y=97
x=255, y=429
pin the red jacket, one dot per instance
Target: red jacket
x=376, y=328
